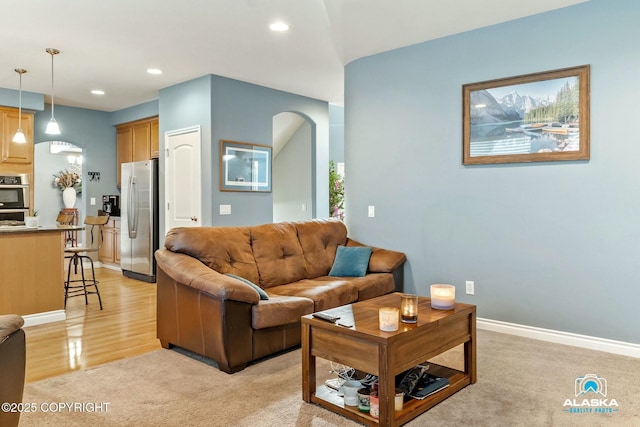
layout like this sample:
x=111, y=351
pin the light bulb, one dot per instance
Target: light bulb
x=52, y=127
x=19, y=138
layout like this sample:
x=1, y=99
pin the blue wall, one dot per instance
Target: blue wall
x=137, y=112
x=550, y=245
x=30, y=100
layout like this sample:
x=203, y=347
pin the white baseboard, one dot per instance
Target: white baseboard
x=109, y=266
x=559, y=337
x=98, y=264
x=45, y=317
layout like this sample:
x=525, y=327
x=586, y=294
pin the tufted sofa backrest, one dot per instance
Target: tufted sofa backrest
x=224, y=249
x=269, y=254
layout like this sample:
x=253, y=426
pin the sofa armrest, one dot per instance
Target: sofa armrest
x=382, y=260
x=191, y=272
x=9, y=323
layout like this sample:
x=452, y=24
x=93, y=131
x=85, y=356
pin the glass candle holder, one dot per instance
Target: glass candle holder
x=443, y=297
x=409, y=308
x=388, y=317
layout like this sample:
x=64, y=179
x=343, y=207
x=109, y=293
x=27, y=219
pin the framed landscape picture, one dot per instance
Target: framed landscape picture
x=245, y=166
x=537, y=117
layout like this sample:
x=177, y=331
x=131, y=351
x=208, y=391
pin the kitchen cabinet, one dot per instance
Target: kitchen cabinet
x=11, y=151
x=123, y=148
x=136, y=141
x=16, y=158
x=109, y=252
x=155, y=140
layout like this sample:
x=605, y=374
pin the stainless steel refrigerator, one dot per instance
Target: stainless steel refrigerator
x=139, y=219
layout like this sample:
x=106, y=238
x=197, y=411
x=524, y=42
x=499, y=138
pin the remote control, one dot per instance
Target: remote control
x=327, y=317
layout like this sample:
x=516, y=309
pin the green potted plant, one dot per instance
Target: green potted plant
x=336, y=192
x=32, y=221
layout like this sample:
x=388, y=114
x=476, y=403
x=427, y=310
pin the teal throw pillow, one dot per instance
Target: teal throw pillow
x=261, y=292
x=351, y=261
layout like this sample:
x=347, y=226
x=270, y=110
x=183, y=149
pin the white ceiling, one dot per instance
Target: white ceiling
x=109, y=44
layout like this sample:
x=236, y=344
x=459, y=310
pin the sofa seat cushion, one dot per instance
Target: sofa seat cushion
x=326, y=292
x=280, y=310
x=373, y=285
x=370, y=286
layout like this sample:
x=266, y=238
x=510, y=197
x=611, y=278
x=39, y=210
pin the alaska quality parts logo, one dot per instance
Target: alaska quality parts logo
x=590, y=397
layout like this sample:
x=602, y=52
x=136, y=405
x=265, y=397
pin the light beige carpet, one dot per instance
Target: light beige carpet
x=521, y=382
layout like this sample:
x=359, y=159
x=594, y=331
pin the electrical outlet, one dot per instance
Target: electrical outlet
x=371, y=212
x=225, y=209
x=470, y=287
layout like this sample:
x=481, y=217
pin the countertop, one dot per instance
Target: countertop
x=13, y=229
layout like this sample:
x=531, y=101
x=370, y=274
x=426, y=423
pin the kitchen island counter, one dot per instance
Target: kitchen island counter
x=13, y=229
x=32, y=278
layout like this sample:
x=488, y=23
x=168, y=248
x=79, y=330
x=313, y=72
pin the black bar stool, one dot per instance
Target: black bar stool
x=76, y=254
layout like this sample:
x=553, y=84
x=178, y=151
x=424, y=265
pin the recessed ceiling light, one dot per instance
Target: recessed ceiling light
x=97, y=92
x=279, y=26
x=154, y=71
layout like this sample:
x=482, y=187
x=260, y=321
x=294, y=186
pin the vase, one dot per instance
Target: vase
x=69, y=197
x=31, y=221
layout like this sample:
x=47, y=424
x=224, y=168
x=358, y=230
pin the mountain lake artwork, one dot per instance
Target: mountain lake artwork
x=535, y=117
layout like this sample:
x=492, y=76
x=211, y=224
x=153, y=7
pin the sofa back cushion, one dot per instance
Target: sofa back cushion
x=319, y=240
x=268, y=255
x=278, y=254
x=224, y=249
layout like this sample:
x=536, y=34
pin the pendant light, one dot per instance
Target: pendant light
x=19, y=138
x=52, y=126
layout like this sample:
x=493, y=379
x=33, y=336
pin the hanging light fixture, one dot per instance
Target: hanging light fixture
x=19, y=138
x=52, y=126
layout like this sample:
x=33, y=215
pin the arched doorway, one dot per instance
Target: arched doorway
x=51, y=158
x=293, y=169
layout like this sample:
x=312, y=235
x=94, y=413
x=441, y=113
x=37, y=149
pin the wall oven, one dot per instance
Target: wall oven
x=14, y=199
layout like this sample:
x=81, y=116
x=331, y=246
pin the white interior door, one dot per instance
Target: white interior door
x=182, y=178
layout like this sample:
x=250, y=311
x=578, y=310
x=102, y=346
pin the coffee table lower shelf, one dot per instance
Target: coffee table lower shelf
x=329, y=398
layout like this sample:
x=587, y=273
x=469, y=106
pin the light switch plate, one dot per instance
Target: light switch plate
x=225, y=209
x=371, y=212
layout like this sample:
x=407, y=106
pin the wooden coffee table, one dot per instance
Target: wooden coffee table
x=386, y=354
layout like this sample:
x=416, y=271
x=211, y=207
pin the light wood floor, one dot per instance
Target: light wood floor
x=89, y=337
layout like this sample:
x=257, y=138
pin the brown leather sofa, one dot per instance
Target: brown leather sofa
x=202, y=309
x=12, y=367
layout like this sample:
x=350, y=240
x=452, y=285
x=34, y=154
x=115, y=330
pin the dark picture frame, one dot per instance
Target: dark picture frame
x=538, y=117
x=245, y=166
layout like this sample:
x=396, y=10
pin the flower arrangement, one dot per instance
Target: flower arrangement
x=336, y=192
x=66, y=178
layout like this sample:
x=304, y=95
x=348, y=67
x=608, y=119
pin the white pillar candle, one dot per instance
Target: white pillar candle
x=388, y=317
x=399, y=399
x=443, y=297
